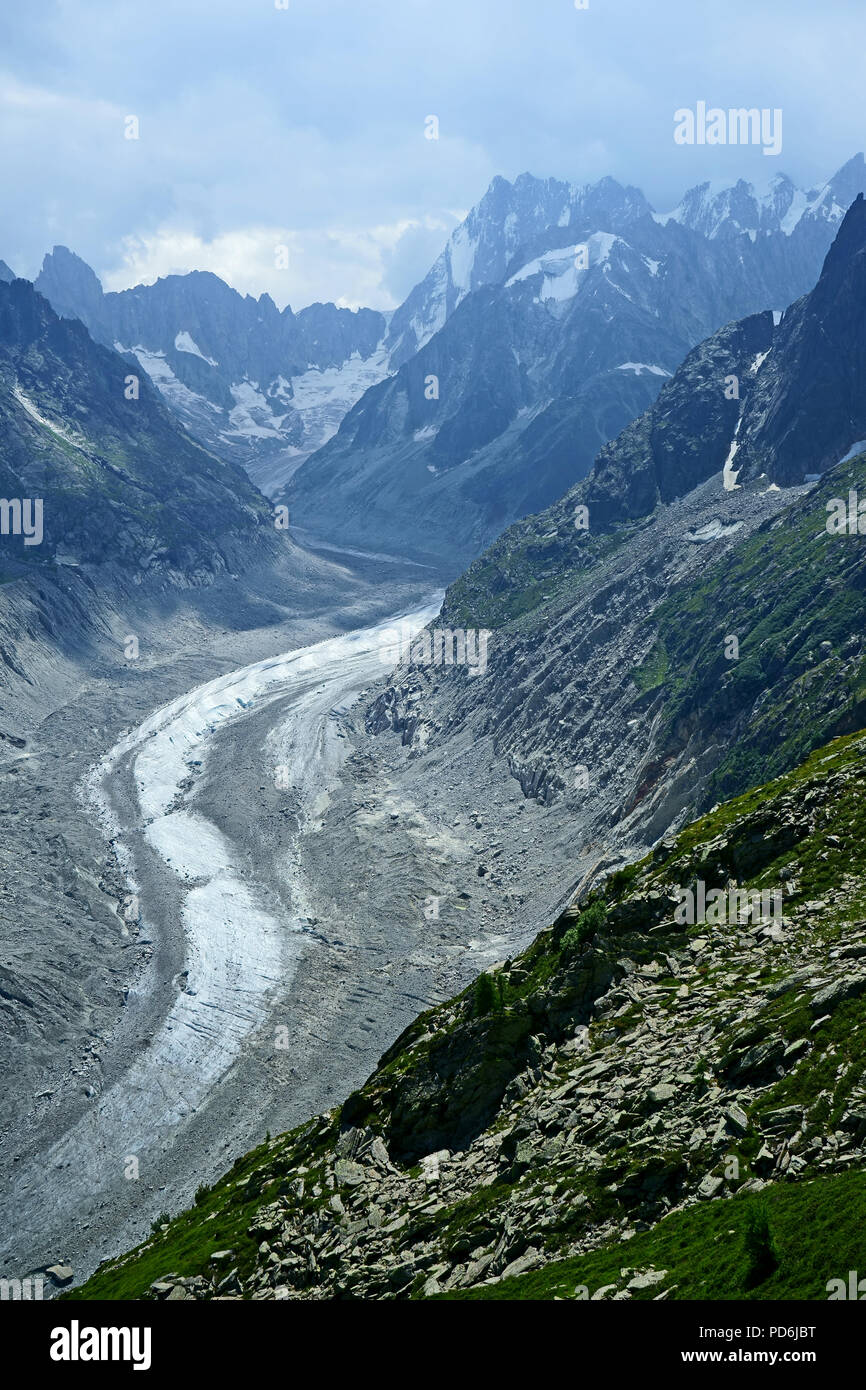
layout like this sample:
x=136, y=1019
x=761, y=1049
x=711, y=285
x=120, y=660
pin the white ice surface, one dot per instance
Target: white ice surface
x=235, y=951
x=41, y=419
x=562, y=278
x=461, y=252
x=251, y=415
x=729, y=473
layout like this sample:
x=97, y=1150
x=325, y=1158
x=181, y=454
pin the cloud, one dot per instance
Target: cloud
x=410, y=257
x=310, y=121
x=374, y=267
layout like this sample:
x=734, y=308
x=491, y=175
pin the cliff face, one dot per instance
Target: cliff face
x=807, y=407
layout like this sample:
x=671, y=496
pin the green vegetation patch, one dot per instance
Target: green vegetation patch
x=785, y=1242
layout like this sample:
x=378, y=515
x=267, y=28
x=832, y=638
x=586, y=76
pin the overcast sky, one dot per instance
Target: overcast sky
x=305, y=126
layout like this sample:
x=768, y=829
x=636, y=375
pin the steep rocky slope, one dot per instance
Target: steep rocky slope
x=635, y=1106
x=691, y=637
x=120, y=482
x=808, y=402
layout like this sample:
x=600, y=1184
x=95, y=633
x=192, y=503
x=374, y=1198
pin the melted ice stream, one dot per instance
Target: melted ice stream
x=235, y=951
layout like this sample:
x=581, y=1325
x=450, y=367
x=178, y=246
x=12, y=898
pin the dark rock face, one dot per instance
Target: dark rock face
x=809, y=404
x=73, y=290
x=457, y=1085
x=685, y=436
x=119, y=480
x=516, y=364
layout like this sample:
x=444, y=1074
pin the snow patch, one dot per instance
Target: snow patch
x=461, y=258
x=562, y=279
x=729, y=473
x=323, y=397
x=855, y=449
x=799, y=204
x=184, y=343
x=638, y=367
x=41, y=419
x=713, y=531
x=252, y=417
x=161, y=374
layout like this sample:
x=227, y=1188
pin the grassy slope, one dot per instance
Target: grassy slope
x=783, y=593
x=705, y=1249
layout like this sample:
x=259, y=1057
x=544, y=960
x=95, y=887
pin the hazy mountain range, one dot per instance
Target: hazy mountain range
x=551, y=319
x=537, y=362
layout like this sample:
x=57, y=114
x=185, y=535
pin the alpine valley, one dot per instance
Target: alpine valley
x=328, y=975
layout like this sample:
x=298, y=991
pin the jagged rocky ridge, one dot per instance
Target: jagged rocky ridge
x=516, y=363
x=531, y=213
x=632, y=1107
x=532, y=400
x=260, y=386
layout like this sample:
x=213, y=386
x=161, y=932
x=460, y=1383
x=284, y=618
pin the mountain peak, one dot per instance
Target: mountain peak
x=60, y=258
x=24, y=313
x=849, y=181
x=70, y=285
x=850, y=241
